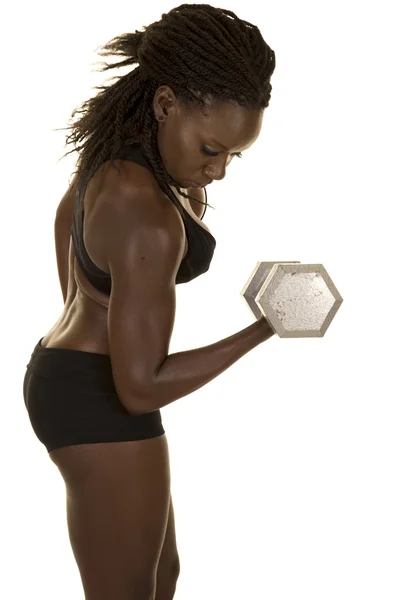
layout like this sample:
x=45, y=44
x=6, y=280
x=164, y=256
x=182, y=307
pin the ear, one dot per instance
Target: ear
x=163, y=98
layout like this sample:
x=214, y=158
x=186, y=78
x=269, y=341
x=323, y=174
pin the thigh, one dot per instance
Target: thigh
x=118, y=498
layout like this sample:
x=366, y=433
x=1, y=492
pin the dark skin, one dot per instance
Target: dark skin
x=185, y=137
x=121, y=491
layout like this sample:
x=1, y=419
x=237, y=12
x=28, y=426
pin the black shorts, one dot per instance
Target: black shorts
x=71, y=399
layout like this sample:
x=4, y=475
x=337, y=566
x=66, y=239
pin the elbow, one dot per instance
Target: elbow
x=138, y=403
x=137, y=397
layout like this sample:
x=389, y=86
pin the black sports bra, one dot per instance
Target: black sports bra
x=201, y=244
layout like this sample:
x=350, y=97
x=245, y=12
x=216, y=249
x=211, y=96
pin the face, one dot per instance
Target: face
x=197, y=145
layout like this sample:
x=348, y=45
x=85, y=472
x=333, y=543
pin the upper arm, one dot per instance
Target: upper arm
x=145, y=245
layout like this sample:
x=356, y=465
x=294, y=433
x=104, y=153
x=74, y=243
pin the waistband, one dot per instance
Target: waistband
x=63, y=361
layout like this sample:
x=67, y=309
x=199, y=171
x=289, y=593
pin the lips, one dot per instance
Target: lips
x=198, y=185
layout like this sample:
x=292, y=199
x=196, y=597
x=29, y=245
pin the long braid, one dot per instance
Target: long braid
x=197, y=50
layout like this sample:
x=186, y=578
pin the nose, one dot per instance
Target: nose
x=217, y=170
x=214, y=172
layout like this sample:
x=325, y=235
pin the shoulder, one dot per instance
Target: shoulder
x=126, y=176
x=131, y=193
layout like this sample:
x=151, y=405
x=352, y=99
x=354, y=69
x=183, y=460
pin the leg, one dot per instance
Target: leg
x=118, y=497
x=168, y=566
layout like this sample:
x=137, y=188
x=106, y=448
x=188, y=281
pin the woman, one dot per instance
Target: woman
x=127, y=231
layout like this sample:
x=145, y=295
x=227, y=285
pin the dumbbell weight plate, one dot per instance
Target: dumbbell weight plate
x=298, y=300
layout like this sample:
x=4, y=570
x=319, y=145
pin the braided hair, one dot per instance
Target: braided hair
x=198, y=51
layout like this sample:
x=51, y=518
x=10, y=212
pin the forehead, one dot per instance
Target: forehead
x=228, y=123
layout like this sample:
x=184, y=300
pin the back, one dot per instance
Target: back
x=144, y=246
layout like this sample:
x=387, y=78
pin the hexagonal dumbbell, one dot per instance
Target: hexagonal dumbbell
x=297, y=300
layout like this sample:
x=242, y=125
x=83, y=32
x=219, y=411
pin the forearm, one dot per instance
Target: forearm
x=185, y=372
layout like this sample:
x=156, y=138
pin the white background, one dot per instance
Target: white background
x=285, y=469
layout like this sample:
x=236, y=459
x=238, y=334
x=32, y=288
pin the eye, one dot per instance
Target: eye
x=211, y=153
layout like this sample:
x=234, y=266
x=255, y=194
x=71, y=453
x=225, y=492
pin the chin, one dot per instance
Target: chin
x=183, y=186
